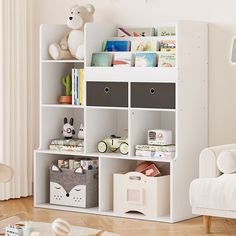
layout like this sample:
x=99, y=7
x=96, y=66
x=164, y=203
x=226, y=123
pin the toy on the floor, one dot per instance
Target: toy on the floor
x=71, y=44
x=68, y=128
x=60, y=227
x=114, y=143
x=18, y=229
x=148, y=168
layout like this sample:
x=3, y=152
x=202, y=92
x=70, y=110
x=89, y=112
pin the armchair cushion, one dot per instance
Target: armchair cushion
x=214, y=193
x=226, y=161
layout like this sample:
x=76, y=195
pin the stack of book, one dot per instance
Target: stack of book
x=77, y=86
x=76, y=145
x=167, y=151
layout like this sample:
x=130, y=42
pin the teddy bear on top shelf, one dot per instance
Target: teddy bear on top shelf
x=72, y=44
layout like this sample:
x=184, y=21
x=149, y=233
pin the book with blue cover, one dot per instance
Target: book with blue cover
x=145, y=59
x=116, y=46
x=101, y=59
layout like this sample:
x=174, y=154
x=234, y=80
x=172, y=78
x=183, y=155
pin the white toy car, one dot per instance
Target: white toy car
x=114, y=143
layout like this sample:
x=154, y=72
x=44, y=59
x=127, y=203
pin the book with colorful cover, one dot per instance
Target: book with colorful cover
x=135, y=32
x=144, y=45
x=166, y=60
x=101, y=59
x=145, y=59
x=168, y=46
x=116, y=46
x=165, y=31
x=123, y=60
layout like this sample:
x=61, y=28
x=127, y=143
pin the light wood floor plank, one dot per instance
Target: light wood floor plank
x=126, y=227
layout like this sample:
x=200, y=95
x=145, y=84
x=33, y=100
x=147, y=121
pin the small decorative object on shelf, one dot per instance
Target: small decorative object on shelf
x=67, y=83
x=60, y=227
x=114, y=143
x=68, y=128
x=159, y=137
x=71, y=44
x=81, y=132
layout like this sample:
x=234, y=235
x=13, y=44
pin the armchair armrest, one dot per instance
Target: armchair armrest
x=208, y=160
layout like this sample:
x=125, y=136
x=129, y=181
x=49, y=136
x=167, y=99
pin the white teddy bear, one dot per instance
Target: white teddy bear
x=72, y=43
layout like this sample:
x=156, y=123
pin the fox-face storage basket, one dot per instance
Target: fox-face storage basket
x=73, y=189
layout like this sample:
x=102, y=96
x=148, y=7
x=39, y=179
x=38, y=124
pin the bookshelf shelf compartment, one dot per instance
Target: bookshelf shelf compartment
x=189, y=132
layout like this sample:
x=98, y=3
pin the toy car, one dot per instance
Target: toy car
x=114, y=143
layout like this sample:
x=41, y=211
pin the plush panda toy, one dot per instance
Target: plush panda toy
x=68, y=129
x=72, y=44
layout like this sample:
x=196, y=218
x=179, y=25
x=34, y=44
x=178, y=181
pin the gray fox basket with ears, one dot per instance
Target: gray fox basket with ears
x=69, y=188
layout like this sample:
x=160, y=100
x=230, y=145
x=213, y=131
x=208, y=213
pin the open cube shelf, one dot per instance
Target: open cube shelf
x=127, y=102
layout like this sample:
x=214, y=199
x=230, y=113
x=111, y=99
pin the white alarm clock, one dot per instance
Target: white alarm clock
x=159, y=137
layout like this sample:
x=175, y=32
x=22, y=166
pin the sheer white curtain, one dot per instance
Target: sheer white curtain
x=15, y=144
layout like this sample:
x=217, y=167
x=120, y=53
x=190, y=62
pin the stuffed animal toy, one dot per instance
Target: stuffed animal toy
x=68, y=129
x=71, y=44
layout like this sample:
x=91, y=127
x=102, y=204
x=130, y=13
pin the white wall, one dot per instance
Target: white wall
x=222, y=18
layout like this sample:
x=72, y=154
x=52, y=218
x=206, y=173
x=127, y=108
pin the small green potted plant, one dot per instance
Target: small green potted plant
x=67, y=83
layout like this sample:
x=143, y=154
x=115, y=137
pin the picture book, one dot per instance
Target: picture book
x=165, y=31
x=101, y=59
x=143, y=45
x=167, y=46
x=166, y=60
x=123, y=60
x=145, y=59
x=116, y=46
x=135, y=32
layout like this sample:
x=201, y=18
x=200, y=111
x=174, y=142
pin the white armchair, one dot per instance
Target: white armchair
x=214, y=193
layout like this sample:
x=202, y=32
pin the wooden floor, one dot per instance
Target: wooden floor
x=126, y=227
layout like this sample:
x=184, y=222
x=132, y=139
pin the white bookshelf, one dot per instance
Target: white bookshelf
x=188, y=119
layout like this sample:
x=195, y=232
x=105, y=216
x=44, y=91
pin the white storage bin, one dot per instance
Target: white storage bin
x=136, y=192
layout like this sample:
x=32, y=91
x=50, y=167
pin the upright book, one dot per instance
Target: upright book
x=144, y=45
x=145, y=59
x=123, y=60
x=116, y=46
x=101, y=59
x=135, y=32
